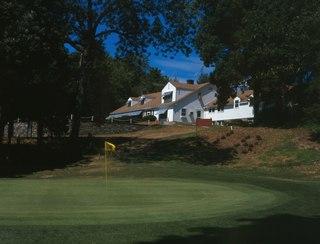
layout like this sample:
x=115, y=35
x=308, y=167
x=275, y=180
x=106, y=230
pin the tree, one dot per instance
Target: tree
x=268, y=45
x=166, y=25
x=119, y=78
x=33, y=60
x=154, y=80
x=203, y=77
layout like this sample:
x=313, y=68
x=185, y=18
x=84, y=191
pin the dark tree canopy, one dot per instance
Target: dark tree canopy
x=269, y=45
x=33, y=60
x=168, y=26
x=41, y=81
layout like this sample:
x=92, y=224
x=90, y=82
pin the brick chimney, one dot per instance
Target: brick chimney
x=191, y=82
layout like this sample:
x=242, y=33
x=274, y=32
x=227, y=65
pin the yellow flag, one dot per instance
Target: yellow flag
x=109, y=146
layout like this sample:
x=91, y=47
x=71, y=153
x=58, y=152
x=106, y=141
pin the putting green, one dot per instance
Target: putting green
x=86, y=201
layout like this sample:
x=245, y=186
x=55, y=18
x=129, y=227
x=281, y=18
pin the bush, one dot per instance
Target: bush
x=150, y=118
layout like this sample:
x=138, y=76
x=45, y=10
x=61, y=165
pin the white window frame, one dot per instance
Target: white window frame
x=183, y=112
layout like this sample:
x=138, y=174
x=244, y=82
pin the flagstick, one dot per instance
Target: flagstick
x=107, y=147
x=106, y=168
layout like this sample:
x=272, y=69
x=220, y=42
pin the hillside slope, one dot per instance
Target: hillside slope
x=285, y=150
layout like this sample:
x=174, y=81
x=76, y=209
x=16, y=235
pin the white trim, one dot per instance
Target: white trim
x=133, y=113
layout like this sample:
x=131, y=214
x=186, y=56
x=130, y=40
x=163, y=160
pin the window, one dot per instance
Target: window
x=149, y=112
x=183, y=112
x=236, y=103
x=198, y=114
x=142, y=100
x=221, y=108
x=167, y=97
x=211, y=110
x=129, y=102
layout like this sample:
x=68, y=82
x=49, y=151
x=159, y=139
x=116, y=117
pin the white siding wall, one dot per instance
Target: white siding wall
x=169, y=88
x=208, y=94
x=170, y=115
x=182, y=93
x=242, y=112
x=192, y=104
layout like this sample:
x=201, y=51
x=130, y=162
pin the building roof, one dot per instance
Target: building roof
x=243, y=95
x=156, y=99
x=185, y=86
x=155, y=102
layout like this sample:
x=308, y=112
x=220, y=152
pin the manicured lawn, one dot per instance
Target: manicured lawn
x=167, y=202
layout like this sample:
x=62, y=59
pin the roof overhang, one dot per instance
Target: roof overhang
x=160, y=111
x=133, y=113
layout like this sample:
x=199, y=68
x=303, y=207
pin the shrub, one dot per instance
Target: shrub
x=150, y=118
x=258, y=137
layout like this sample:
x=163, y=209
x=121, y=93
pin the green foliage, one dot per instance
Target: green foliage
x=116, y=79
x=34, y=68
x=150, y=118
x=166, y=25
x=203, y=78
x=268, y=45
x=137, y=24
x=154, y=81
x=312, y=99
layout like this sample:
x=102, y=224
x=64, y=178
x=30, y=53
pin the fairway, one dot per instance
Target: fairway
x=86, y=201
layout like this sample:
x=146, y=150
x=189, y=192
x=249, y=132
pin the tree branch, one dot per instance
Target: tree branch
x=108, y=32
x=75, y=44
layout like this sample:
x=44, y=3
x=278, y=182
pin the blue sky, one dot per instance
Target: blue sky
x=180, y=67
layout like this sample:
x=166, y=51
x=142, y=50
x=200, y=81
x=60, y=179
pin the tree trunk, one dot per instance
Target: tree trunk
x=75, y=123
x=2, y=124
x=10, y=131
x=40, y=131
x=256, y=104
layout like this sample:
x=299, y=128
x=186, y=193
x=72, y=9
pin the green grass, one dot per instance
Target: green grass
x=126, y=201
x=291, y=155
x=164, y=202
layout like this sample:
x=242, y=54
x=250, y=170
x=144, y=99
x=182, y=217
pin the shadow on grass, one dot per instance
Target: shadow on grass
x=17, y=160
x=193, y=150
x=315, y=136
x=283, y=228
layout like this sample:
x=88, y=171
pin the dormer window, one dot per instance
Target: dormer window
x=236, y=102
x=142, y=100
x=167, y=97
x=129, y=102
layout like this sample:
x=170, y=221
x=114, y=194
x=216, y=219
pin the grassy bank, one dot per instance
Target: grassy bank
x=158, y=203
x=204, y=188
